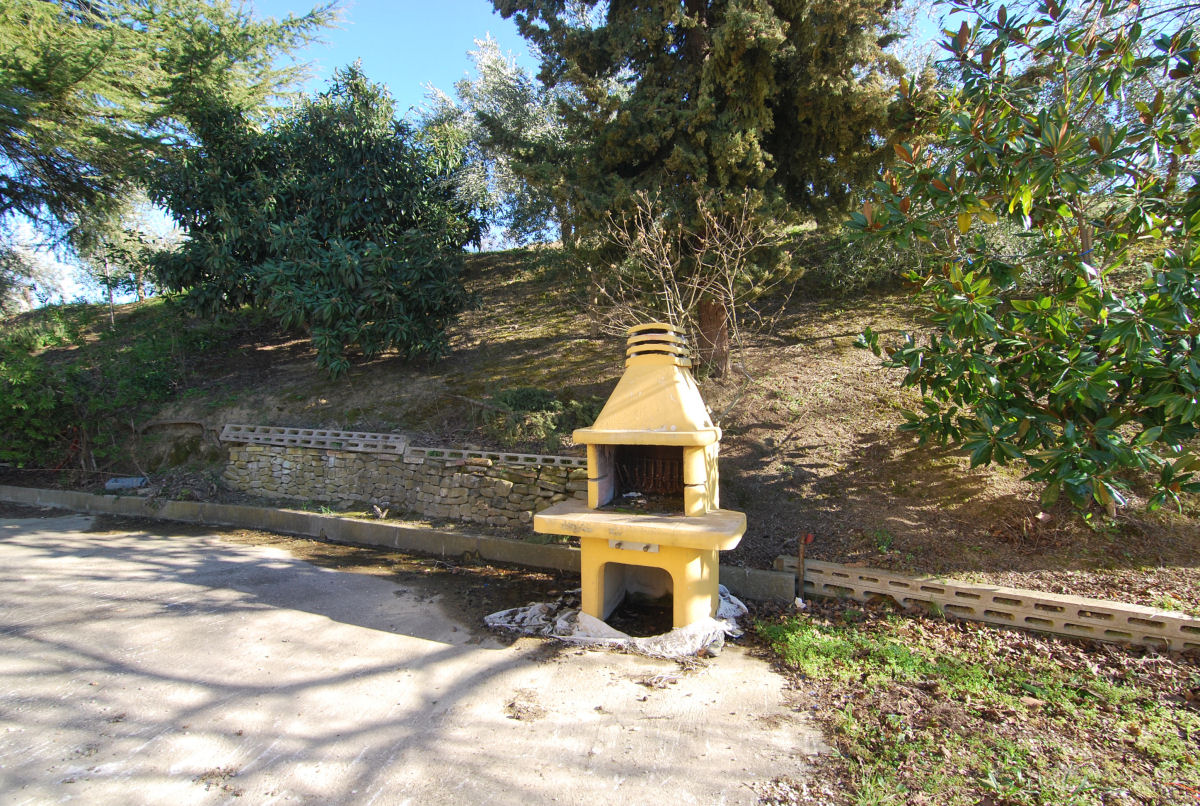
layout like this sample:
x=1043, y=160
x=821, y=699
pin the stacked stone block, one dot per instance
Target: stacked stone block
x=473, y=490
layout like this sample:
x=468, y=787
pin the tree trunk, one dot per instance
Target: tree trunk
x=112, y=317
x=714, y=336
x=566, y=228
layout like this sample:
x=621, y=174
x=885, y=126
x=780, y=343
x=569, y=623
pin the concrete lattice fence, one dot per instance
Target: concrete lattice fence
x=342, y=467
x=1076, y=616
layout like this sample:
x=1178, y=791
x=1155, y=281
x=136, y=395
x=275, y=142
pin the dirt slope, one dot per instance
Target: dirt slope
x=811, y=442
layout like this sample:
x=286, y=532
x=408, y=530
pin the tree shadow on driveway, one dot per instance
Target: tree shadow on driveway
x=180, y=667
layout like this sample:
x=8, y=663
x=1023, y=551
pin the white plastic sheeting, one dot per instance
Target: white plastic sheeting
x=567, y=623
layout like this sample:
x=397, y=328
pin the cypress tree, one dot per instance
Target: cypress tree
x=790, y=98
x=710, y=108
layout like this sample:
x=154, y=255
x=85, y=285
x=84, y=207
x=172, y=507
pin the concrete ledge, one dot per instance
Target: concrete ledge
x=718, y=529
x=1075, y=616
x=748, y=583
x=755, y=583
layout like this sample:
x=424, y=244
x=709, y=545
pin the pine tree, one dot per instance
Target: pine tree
x=92, y=90
x=791, y=99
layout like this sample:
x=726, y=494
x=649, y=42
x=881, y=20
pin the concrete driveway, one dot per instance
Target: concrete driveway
x=171, y=666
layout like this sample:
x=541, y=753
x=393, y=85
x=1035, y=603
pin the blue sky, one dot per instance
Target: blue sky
x=404, y=44
x=407, y=44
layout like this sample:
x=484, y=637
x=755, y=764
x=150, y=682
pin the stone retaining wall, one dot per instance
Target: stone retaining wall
x=474, y=490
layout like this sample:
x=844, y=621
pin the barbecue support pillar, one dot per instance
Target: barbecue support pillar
x=693, y=575
x=701, y=480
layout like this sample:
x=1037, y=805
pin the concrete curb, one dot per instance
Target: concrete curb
x=748, y=583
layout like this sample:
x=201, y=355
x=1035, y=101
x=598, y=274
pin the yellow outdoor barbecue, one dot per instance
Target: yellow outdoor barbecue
x=652, y=523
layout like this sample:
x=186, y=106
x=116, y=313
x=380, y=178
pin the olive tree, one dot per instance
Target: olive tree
x=500, y=116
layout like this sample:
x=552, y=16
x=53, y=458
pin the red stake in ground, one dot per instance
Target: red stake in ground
x=804, y=540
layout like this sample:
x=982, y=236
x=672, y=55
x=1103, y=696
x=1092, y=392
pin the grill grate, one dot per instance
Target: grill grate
x=651, y=470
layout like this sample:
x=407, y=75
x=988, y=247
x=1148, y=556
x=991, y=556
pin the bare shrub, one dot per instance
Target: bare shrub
x=701, y=274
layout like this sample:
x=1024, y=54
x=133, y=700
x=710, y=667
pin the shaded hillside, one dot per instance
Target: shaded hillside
x=810, y=422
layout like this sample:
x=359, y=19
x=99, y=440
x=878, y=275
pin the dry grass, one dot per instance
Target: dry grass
x=811, y=442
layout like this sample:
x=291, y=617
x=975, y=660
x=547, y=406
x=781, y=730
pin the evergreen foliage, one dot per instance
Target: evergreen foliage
x=116, y=248
x=502, y=116
x=90, y=90
x=339, y=219
x=703, y=110
x=25, y=277
x=792, y=100
x=70, y=391
x=1090, y=372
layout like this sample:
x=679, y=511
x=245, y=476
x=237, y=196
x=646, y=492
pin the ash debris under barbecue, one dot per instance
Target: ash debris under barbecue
x=645, y=504
x=642, y=616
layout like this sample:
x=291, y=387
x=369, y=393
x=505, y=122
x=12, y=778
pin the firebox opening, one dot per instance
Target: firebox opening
x=649, y=477
x=638, y=599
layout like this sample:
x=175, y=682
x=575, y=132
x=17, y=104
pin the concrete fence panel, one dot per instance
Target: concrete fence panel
x=1076, y=616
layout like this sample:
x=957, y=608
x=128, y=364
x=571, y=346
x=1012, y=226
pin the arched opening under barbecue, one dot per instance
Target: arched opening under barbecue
x=638, y=599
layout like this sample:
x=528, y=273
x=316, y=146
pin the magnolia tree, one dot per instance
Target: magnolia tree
x=338, y=220
x=1078, y=131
